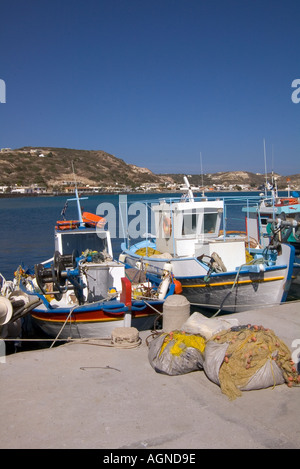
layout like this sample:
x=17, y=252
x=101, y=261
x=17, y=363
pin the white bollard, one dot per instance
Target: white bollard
x=176, y=310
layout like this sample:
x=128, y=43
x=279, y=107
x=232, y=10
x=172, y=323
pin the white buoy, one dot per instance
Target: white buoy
x=165, y=283
x=176, y=310
x=6, y=310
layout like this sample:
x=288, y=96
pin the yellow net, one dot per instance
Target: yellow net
x=181, y=341
x=147, y=252
x=250, y=347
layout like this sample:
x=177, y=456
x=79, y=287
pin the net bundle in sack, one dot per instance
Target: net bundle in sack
x=246, y=358
x=176, y=353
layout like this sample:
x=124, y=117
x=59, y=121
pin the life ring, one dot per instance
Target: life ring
x=167, y=226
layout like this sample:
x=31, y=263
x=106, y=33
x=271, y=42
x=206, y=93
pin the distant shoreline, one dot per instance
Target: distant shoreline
x=61, y=194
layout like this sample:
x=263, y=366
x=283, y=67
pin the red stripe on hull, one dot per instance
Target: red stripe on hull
x=91, y=316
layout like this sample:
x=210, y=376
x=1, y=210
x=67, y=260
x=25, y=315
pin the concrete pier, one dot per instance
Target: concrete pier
x=88, y=396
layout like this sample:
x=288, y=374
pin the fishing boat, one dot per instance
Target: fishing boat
x=287, y=212
x=219, y=270
x=284, y=210
x=83, y=292
x=276, y=219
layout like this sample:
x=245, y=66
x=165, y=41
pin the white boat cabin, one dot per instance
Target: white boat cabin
x=193, y=229
x=101, y=274
x=82, y=239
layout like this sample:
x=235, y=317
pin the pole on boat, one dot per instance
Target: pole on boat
x=266, y=176
x=189, y=190
x=81, y=224
x=78, y=207
x=77, y=198
x=201, y=174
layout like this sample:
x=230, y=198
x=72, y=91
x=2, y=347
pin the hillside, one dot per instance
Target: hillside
x=238, y=178
x=52, y=168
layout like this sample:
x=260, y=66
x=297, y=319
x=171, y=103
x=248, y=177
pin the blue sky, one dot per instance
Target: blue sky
x=156, y=82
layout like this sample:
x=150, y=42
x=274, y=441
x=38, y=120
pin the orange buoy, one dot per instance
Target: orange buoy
x=178, y=286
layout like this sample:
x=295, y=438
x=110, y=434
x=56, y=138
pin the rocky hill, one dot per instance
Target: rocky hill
x=52, y=167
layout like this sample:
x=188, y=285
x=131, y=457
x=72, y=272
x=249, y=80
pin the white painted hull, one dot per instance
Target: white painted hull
x=229, y=291
x=88, y=330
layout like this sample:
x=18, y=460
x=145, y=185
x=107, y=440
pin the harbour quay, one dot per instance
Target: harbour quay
x=90, y=395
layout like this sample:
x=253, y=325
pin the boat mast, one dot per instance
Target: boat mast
x=77, y=198
x=81, y=224
x=201, y=174
x=189, y=190
x=274, y=179
x=266, y=184
x=288, y=186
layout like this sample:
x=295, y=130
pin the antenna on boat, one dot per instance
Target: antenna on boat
x=77, y=199
x=274, y=179
x=201, y=174
x=272, y=163
x=288, y=186
x=266, y=176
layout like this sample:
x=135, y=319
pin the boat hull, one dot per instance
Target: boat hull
x=232, y=294
x=90, y=323
x=234, y=291
x=294, y=292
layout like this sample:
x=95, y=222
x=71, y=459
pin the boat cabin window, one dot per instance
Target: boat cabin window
x=189, y=223
x=210, y=222
x=81, y=242
x=264, y=220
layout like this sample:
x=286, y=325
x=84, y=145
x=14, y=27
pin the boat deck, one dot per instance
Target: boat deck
x=87, y=396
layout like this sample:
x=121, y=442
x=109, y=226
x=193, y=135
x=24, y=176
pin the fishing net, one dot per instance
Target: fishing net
x=248, y=357
x=176, y=353
x=147, y=252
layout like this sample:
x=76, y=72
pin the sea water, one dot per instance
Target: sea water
x=27, y=224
